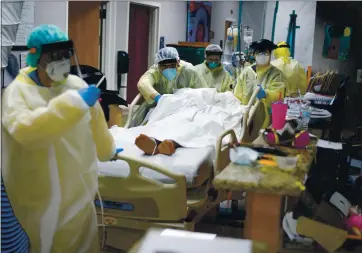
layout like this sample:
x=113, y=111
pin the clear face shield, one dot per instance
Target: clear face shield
x=57, y=58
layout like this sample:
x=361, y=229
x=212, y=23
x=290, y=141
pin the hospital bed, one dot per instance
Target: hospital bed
x=139, y=192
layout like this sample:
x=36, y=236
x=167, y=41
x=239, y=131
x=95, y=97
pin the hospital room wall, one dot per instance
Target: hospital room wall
x=221, y=12
x=252, y=15
x=306, y=12
x=172, y=25
x=173, y=19
x=52, y=12
x=322, y=64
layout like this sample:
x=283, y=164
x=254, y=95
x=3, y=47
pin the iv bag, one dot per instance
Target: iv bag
x=231, y=40
x=248, y=36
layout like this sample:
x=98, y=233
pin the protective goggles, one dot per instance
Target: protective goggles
x=262, y=53
x=59, y=50
x=213, y=61
x=172, y=63
x=209, y=53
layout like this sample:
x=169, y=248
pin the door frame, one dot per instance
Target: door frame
x=103, y=35
x=117, y=23
x=154, y=42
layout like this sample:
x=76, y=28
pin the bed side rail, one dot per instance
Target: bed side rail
x=222, y=151
x=150, y=199
x=137, y=163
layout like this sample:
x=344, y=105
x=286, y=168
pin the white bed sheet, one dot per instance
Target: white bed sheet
x=185, y=161
x=194, y=118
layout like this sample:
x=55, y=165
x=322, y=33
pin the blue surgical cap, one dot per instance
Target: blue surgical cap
x=41, y=35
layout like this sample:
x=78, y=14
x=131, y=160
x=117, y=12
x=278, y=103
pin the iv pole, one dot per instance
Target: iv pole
x=292, y=32
x=231, y=49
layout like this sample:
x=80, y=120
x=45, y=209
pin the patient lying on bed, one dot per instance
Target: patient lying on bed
x=190, y=118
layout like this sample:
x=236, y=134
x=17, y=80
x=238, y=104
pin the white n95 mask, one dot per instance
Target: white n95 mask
x=58, y=70
x=262, y=59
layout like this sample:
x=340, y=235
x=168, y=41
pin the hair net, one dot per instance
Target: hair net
x=166, y=53
x=282, y=50
x=213, y=49
x=41, y=35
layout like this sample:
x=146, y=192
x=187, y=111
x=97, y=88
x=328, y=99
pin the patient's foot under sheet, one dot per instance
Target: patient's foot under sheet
x=167, y=147
x=193, y=118
x=147, y=145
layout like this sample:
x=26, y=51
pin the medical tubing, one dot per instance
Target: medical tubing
x=101, y=204
x=155, y=149
x=102, y=218
x=100, y=81
x=239, y=26
x=82, y=179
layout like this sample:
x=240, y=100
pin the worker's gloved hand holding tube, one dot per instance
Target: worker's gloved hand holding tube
x=157, y=98
x=90, y=95
x=261, y=94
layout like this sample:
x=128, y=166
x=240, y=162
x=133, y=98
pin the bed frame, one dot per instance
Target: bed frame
x=156, y=204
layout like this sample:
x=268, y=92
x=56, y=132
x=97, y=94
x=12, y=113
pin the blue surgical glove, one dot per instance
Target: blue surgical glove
x=119, y=150
x=157, y=98
x=261, y=94
x=90, y=95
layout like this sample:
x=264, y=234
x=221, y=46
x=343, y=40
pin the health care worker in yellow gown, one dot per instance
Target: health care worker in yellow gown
x=166, y=76
x=294, y=74
x=54, y=132
x=261, y=74
x=212, y=70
